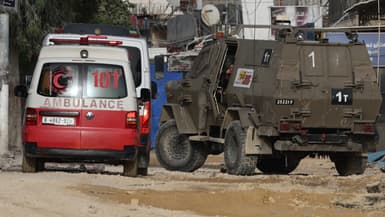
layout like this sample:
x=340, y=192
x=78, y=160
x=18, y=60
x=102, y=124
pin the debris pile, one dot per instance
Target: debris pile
x=374, y=199
x=10, y=161
x=377, y=159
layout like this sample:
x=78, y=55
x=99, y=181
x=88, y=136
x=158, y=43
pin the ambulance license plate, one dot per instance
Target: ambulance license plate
x=61, y=121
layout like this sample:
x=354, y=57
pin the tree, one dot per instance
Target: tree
x=115, y=12
x=36, y=18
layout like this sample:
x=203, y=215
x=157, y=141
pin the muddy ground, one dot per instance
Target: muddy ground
x=312, y=190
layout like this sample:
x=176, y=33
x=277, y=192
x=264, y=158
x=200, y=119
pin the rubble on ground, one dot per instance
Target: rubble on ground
x=374, y=199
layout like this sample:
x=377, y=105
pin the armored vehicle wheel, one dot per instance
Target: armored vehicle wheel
x=236, y=161
x=174, y=151
x=349, y=164
x=280, y=165
x=32, y=165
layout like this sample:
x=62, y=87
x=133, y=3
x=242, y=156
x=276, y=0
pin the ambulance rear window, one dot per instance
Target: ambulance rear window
x=82, y=80
x=105, y=81
x=59, y=80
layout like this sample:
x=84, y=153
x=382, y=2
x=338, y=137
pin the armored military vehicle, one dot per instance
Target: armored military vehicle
x=269, y=104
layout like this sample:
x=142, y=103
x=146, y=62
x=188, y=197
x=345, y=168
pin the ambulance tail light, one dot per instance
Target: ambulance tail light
x=131, y=120
x=30, y=117
x=145, y=118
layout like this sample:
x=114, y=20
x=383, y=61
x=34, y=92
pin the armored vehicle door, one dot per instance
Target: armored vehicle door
x=217, y=58
x=325, y=82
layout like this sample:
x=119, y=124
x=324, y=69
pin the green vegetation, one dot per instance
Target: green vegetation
x=36, y=18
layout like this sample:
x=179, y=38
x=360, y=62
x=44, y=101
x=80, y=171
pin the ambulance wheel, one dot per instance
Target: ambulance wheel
x=31, y=164
x=176, y=152
x=143, y=162
x=40, y=165
x=130, y=168
x=236, y=161
x=143, y=171
x=281, y=165
x=349, y=164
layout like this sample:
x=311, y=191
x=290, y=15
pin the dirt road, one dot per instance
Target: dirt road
x=314, y=189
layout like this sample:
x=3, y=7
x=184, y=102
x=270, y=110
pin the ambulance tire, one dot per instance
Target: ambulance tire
x=176, y=152
x=143, y=162
x=236, y=161
x=143, y=171
x=130, y=168
x=31, y=164
x=40, y=165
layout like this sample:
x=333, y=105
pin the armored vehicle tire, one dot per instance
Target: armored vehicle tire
x=32, y=165
x=236, y=161
x=278, y=165
x=349, y=164
x=174, y=151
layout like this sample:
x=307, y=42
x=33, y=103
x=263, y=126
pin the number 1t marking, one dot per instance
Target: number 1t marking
x=341, y=97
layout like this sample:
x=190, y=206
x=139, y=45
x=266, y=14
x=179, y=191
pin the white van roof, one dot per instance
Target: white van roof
x=94, y=52
x=125, y=40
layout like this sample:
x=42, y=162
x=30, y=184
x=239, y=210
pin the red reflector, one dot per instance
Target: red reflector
x=368, y=128
x=30, y=117
x=284, y=126
x=131, y=119
x=298, y=127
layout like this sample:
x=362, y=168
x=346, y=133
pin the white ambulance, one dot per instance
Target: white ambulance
x=139, y=64
x=82, y=107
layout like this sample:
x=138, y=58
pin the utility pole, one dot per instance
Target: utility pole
x=378, y=42
x=226, y=17
x=4, y=88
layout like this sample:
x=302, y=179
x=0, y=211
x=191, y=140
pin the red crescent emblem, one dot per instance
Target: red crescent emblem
x=56, y=81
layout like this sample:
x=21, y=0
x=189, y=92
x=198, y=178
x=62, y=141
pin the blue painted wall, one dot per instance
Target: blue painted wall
x=370, y=40
x=156, y=104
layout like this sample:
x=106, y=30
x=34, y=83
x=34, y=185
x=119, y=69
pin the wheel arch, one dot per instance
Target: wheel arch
x=256, y=141
x=233, y=114
x=184, y=122
x=248, y=118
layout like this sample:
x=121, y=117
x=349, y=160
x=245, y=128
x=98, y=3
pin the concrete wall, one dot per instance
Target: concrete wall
x=16, y=104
